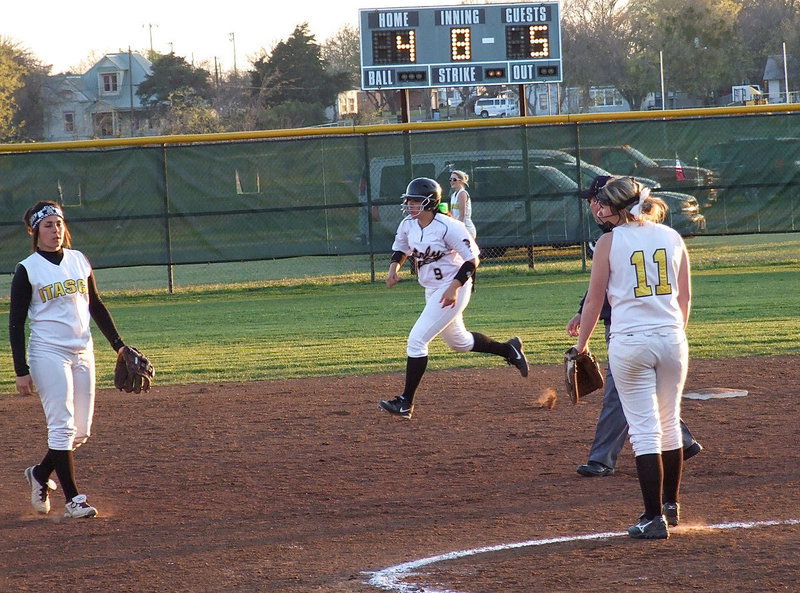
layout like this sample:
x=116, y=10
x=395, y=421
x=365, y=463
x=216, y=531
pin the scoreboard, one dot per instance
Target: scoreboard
x=460, y=45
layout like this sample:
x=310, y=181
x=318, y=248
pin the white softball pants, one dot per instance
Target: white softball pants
x=66, y=383
x=447, y=322
x=650, y=370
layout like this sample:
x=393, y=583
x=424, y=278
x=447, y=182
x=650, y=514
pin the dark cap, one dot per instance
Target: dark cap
x=597, y=183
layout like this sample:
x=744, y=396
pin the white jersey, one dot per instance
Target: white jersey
x=438, y=250
x=59, y=309
x=456, y=212
x=643, y=279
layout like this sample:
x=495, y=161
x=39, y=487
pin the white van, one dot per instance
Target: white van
x=497, y=107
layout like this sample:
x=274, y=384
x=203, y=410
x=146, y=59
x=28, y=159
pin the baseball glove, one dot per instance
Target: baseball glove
x=133, y=371
x=583, y=374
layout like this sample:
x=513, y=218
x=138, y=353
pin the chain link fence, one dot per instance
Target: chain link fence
x=182, y=201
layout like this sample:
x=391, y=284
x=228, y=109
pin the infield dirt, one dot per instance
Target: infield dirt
x=305, y=486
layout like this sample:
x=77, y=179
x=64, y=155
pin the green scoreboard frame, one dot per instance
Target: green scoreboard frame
x=460, y=45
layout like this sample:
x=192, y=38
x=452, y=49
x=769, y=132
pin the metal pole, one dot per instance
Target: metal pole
x=785, y=73
x=661, y=68
x=130, y=82
x=167, y=229
x=369, y=207
x=232, y=37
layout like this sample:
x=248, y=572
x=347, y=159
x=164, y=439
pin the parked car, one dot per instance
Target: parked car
x=755, y=160
x=684, y=210
x=759, y=180
x=672, y=174
x=509, y=208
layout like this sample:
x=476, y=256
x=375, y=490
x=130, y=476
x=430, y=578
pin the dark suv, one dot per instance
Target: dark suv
x=671, y=174
x=684, y=210
x=758, y=186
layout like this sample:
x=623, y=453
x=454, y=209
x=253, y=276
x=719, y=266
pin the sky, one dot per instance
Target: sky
x=67, y=34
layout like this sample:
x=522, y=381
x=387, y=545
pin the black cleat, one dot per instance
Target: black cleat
x=517, y=357
x=399, y=406
x=655, y=528
x=594, y=469
x=672, y=513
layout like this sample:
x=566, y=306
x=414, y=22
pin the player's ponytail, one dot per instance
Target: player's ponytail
x=653, y=209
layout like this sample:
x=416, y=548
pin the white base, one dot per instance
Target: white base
x=714, y=393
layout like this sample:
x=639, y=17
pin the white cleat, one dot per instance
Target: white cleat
x=40, y=493
x=78, y=508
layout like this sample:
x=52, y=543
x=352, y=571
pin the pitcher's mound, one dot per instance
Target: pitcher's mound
x=714, y=393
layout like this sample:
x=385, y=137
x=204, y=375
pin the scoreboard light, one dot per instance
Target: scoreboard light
x=460, y=45
x=412, y=76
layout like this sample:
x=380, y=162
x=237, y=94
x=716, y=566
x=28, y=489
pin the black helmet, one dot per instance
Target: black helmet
x=423, y=188
x=597, y=184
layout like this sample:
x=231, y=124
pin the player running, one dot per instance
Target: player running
x=445, y=257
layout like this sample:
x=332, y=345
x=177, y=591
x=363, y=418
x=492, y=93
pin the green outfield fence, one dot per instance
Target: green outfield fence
x=168, y=201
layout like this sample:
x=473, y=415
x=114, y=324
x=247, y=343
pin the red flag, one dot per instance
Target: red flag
x=679, y=176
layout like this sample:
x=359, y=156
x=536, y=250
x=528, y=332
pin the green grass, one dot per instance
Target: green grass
x=746, y=303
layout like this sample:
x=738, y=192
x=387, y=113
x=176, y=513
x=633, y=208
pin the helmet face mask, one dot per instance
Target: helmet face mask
x=414, y=207
x=423, y=191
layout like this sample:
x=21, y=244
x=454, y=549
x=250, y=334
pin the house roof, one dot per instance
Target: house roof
x=773, y=70
x=120, y=60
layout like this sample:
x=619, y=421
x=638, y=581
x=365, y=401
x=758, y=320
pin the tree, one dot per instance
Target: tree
x=597, y=46
x=764, y=25
x=295, y=71
x=171, y=73
x=697, y=37
x=189, y=114
x=289, y=114
x=342, y=53
x=21, y=79
x=611, y=42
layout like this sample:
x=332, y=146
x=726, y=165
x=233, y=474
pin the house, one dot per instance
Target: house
x=775, y=79
x=600, y=99
x=102, y=103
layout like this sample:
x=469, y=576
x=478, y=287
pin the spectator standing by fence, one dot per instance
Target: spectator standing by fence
x=460, y=201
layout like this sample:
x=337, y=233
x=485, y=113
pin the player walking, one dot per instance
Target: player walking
x=643, y=267
x=612, y=428
x=445, y=257
x=55, y=289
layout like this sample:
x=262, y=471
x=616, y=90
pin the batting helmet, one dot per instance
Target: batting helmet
x=423, y=188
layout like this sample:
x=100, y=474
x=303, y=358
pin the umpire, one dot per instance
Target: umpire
x=612, y=427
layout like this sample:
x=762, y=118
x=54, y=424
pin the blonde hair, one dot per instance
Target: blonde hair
x=623, y=194
x=654, y=209
x=461, y=175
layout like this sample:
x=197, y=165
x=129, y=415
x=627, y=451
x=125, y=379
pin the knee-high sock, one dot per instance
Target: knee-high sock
x=64, y=465
x=415, y=368
x=673, y=469
x=651, y=479
x=486, y=344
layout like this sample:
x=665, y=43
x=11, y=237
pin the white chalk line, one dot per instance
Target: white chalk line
x=390, y=578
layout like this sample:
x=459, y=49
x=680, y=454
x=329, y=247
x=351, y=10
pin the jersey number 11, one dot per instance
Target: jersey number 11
x=643, y=289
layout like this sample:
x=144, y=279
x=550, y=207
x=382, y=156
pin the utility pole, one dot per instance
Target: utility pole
x=150, y=28
x=232, y=37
